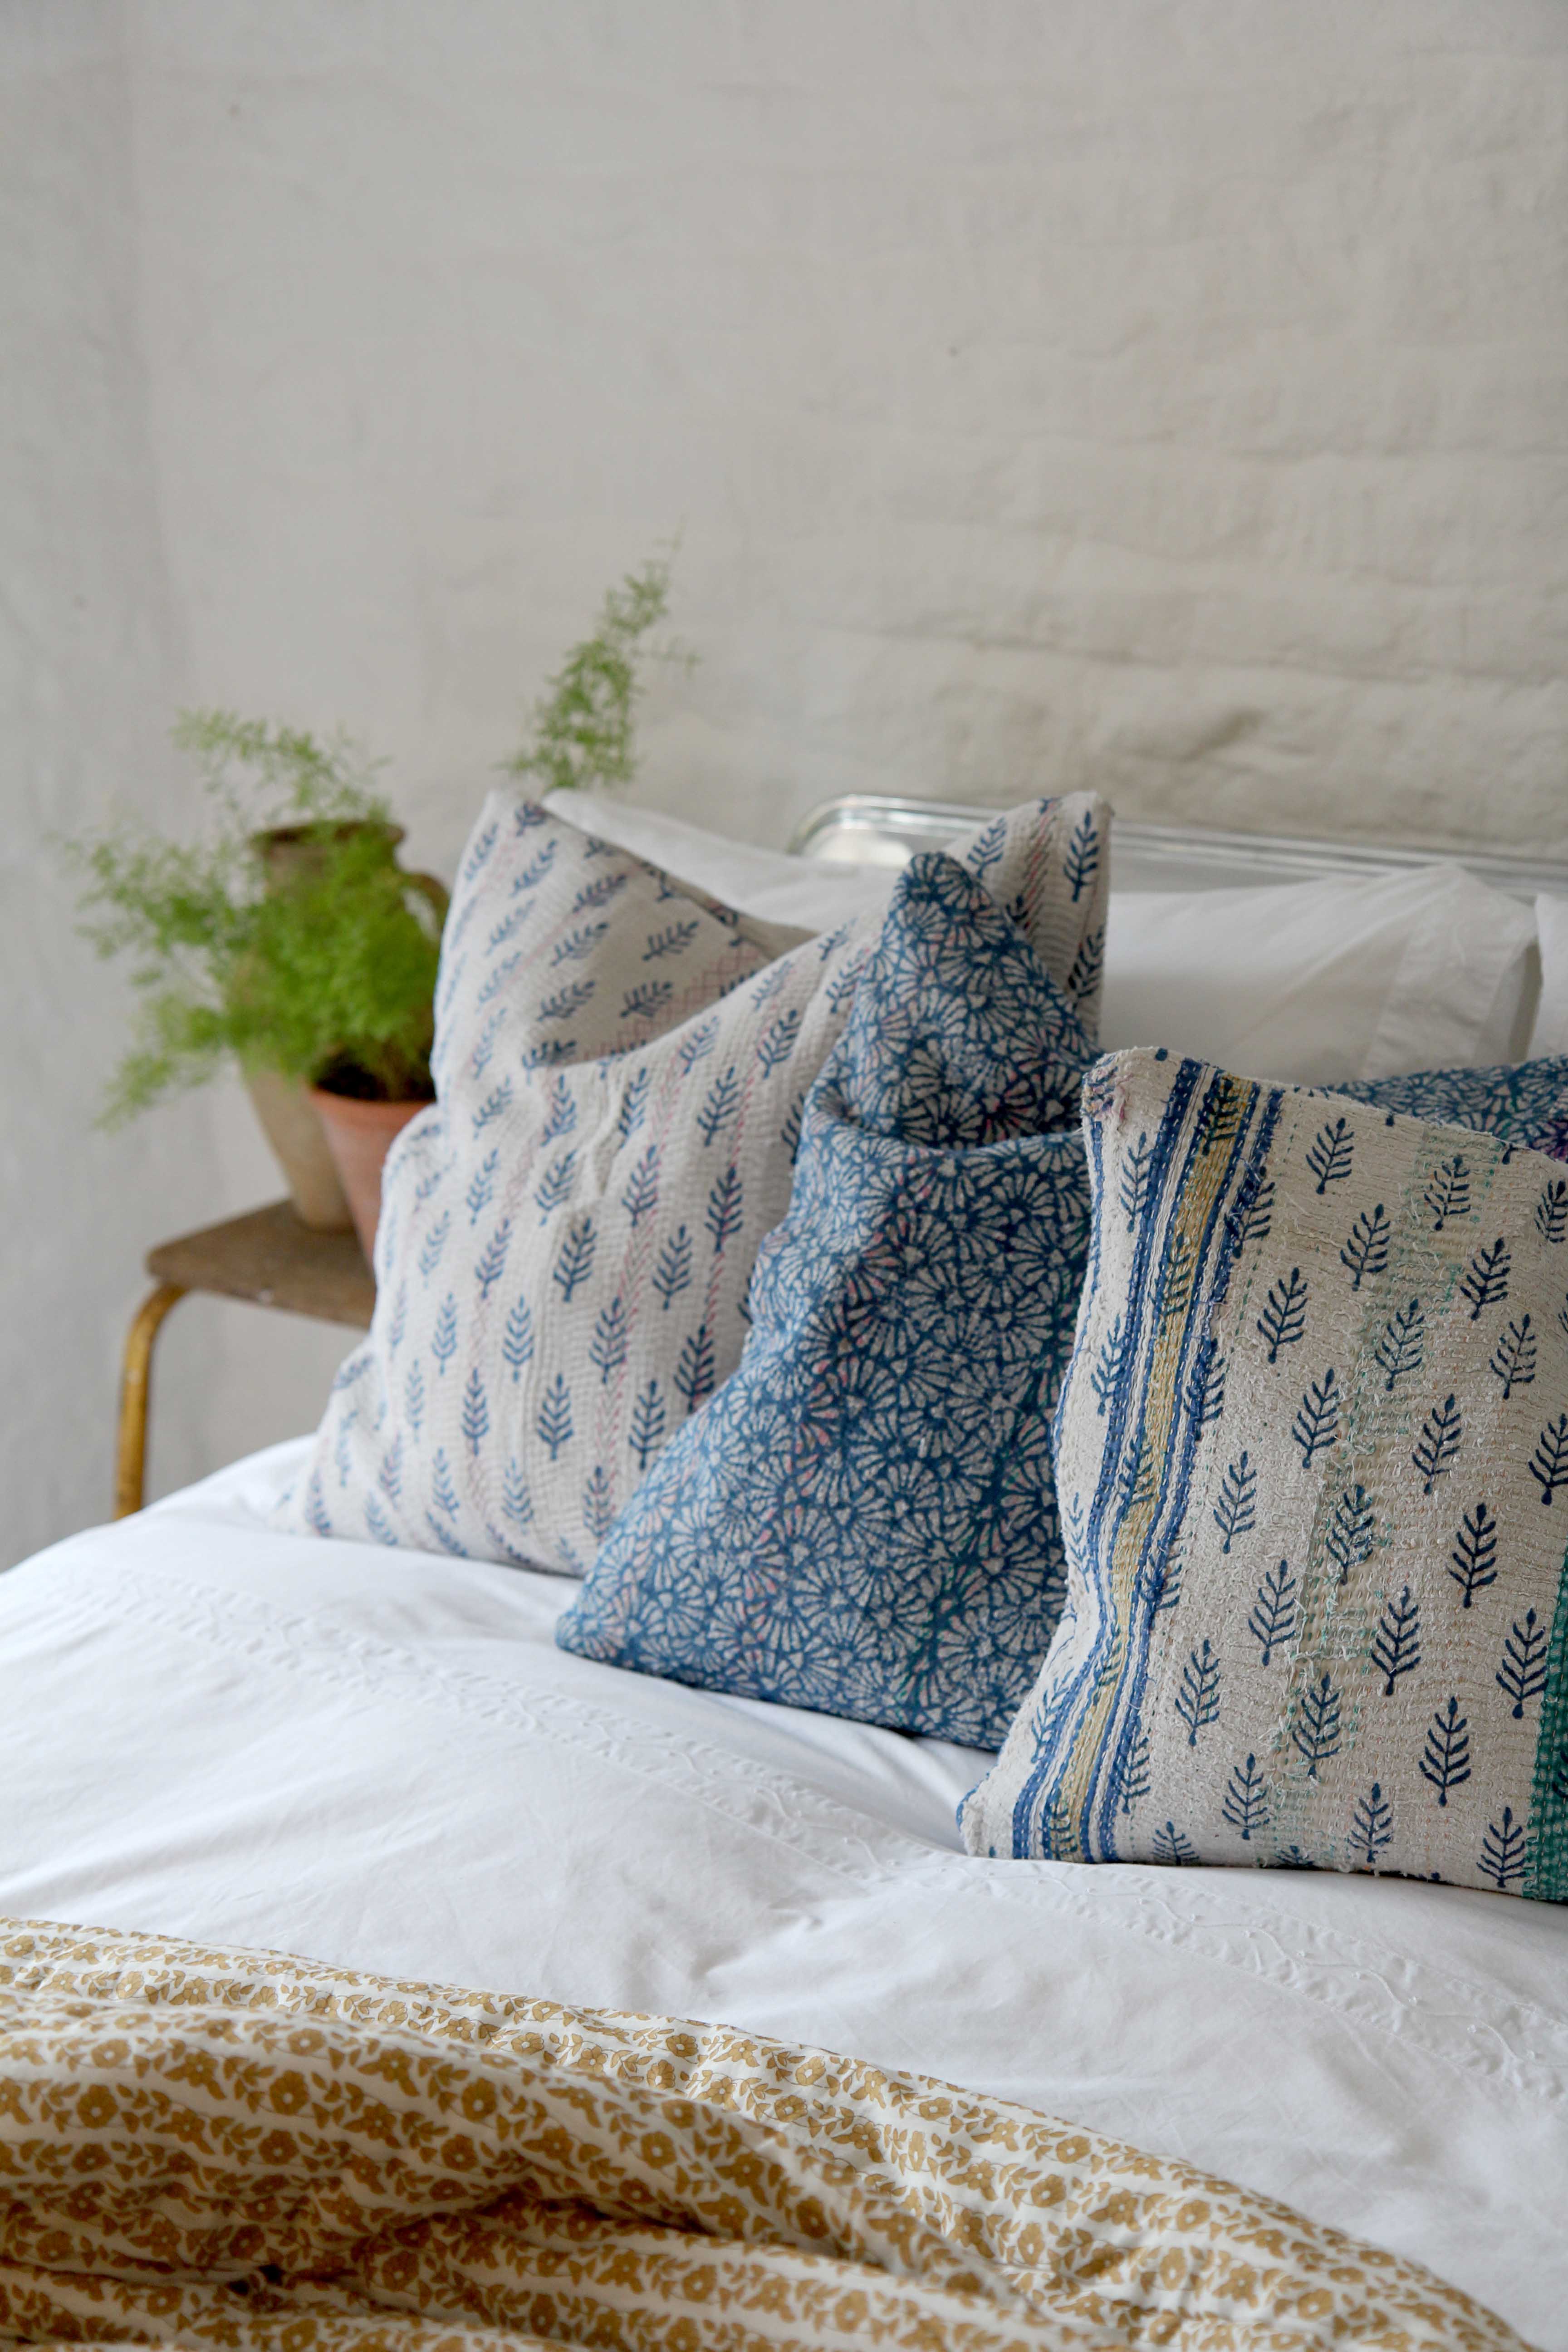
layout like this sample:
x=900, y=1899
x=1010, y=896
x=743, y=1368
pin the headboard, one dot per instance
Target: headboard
x=867, y=829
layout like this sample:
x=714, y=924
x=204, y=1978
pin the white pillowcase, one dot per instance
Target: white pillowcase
x=1322, y=982
x=817, y=893
x=1550, y=1035
x=1317, y=981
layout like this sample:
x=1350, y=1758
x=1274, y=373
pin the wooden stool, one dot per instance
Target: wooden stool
x=267, y=1257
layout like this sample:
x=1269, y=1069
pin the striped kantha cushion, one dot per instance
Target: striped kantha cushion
x=1312, y=1453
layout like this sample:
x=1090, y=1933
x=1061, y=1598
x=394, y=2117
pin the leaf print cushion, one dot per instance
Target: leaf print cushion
x=863, y=1520
x=567, y=1236
x=1314, y=1451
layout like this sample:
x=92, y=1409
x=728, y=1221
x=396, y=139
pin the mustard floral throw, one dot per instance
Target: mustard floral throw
x=1312, y=1453
x=568, y=1233
x=238, y=2149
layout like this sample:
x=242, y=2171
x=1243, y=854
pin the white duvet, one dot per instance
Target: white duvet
x=380, y=1759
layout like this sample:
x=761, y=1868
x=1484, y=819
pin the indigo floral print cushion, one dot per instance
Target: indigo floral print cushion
x=567, y=1237
x=1314, y=1455
x=863, y=1520
x=1523, y=1104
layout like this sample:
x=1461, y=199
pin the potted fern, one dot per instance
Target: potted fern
x=290, y=940
x=581, y=735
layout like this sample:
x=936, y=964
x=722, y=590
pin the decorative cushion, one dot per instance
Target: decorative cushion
x=567, y=1237
x=1522, y=1103
x=1313, y=1452
x=862, y=1520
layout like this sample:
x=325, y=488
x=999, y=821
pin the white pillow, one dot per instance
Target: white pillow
x=1550, y=1035
x=1319, y=982
x=817, y=893
x=1322, y=982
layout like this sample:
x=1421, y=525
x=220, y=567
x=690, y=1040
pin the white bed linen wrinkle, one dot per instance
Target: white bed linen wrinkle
x=763, y=1803
x=1370, y=1984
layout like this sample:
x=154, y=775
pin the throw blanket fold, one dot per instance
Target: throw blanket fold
x=251, y=2151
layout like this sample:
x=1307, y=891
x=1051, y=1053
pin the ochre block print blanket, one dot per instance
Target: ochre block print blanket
x=234, y=2149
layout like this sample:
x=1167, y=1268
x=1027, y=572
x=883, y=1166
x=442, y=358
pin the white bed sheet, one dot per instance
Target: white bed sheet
x=380, y=1759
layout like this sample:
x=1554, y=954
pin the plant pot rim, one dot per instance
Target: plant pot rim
x=357, y=1110
x=289, y=836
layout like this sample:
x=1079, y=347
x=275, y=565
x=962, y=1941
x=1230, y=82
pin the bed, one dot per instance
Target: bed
x=380, y=1761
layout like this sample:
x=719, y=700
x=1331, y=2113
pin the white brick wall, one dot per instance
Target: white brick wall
x=1166, y=396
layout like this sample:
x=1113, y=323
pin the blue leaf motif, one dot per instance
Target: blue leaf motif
x=1197, y=1698
x=698, y=1045
x=476, y=1411
x=640, y=1198
x=1316, y=1731
x=441, y=1485
x=600, y=893
x=575, y=1261
x=435, y=1242
x=481, y=1190
x=563, y=1113
x=599, y=1503
x=480, y=851
x=517, y=1502
x=1445, y=1757
x=517, y=1341
x=646, y=1425
x=555, y=1185
x=718, y=1105
x=673, y=1271
x=724, y=1207
x=1273, y=1619
x=777, y=1042
x=567, y=1001
x=493, y=1258
x=497, y=978
x=555, y=1423
x=444, y=1342
x=633, y=1103
x=1246, y=1805
x=672, y=941
x=574, y=946
x=647, y=1000
x=1082, y=860
x=694, y=1371
x=496, y=1102
x=607, y=1349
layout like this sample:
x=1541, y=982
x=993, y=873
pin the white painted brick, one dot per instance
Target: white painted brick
x=990, y=357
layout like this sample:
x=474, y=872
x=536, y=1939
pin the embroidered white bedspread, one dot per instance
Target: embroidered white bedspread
x=381, y=1761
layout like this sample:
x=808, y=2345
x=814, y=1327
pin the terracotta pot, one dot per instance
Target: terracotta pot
x=293, y=1114
x=360, y=1135
x=291, y=852
x=292, y=1127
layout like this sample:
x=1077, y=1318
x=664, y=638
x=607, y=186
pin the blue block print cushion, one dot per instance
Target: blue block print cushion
x=862, y=1520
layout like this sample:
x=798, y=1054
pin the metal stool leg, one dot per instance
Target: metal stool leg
x=135, y=1383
